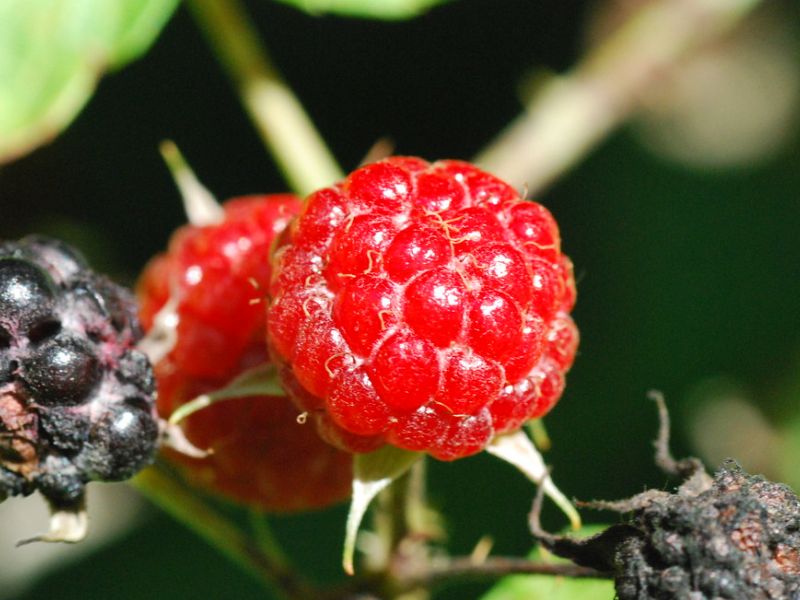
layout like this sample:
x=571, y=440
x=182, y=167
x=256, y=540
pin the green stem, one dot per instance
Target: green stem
x=391, y=517
x=464, y=569
x=573, y=113
x=266, y=540
x=393, y=529
x=404, y=524
x=174, y=498
x=278, y=115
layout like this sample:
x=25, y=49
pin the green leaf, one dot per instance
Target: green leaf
x=52, y=54
x=787, y=459
x=369, y=9
x=548, y=587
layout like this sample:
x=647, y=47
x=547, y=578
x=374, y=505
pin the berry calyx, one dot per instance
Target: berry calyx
x=211, y=280
x=422, y=305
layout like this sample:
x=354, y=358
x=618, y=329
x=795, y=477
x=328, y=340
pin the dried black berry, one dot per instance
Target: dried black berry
x=76, y=397
x=728, y=537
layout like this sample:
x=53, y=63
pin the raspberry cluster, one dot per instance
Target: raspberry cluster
x=421, y=305
x=215, y=275
x=76, y=399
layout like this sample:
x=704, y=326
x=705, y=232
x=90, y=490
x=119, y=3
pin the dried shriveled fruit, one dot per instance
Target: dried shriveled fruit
x=77, y=400
x=732, y=535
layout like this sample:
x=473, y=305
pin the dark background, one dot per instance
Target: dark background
x=683, y=275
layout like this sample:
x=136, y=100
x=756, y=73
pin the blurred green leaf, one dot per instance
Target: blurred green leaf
x=370, y=9
x=53, y=52
x=547, y=587
x=790, y=472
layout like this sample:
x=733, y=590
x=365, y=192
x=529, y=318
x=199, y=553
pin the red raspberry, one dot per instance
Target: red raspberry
x=260, y=455
x=424, y=306
x=213, y=270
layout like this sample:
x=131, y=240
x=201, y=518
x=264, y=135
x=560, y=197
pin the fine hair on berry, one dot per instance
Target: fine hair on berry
x=422, y=305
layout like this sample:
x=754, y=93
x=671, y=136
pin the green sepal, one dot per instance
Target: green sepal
x=518, y=450
x=258, y=381
x=372, y=472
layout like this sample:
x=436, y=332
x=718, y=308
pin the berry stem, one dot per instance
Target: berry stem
x=405, y=524
x=266, y=539
x=572, y=113
x=464, y=568
x=278, y=115
x=252, y=555
x=411, y=573
x=395, y=530
x=391, y=519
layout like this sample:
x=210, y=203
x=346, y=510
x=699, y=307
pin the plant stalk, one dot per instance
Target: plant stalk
x=277, y=113
x=573, y=113
x=464, y=568
x=182, y=504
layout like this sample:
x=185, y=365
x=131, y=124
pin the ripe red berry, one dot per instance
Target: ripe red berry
x=424, y=306
x=216, y=275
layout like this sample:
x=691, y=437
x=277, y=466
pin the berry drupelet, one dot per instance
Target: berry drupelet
x=422, y=305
